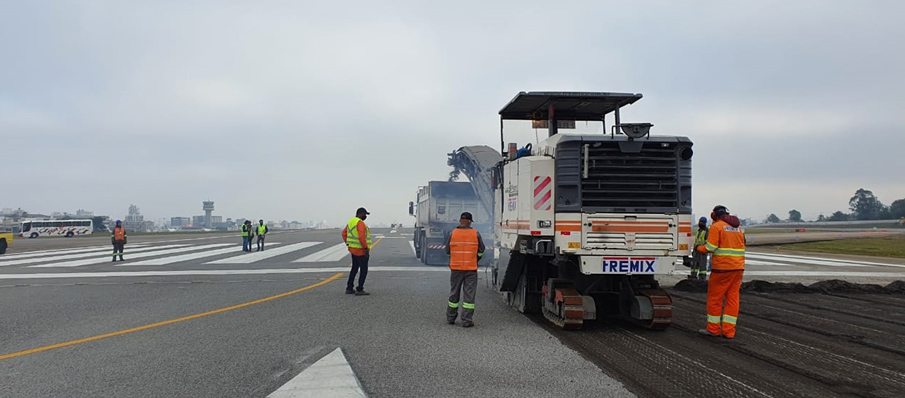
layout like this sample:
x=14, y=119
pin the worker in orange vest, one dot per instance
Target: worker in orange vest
x=464, y=247
x=727, y=243
x=119, y=240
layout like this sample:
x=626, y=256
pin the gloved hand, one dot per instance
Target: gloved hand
x=701, y=249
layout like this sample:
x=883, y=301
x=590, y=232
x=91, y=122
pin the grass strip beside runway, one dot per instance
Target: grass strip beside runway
x=887, y=246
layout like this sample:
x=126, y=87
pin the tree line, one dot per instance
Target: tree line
x=864, y=205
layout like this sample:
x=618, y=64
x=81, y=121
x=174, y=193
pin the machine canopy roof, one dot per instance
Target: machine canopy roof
x=535, y=105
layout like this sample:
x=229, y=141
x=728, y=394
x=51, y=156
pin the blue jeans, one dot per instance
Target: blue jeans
x=246, y=243
x=359, y=263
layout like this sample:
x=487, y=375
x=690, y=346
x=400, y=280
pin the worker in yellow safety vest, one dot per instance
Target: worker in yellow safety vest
x=464, y=247
x=357, y=236
x=698, y=259
x=246, y=236
x=262, y=230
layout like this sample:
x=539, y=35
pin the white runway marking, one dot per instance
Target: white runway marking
x=205, y=272
x=412, y=245
x=758, y=262
x=332, y=253
x=61, y=251
x=823, y=274
x=331, y=376
x=129, y=256
x=819, y=260
x=188, y=257
x=106, y=253
x=248, y=258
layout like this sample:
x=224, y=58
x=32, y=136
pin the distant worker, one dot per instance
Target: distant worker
x=246, y=236
x=119, y=240
x=262, y=230
x=464, y=247
x=357, y=236
x=727, y=243
x=698, y=259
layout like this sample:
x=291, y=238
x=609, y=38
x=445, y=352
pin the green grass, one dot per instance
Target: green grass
x=888, y=246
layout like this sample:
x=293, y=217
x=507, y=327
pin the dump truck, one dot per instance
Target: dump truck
x=436, y=210
x=586, y=221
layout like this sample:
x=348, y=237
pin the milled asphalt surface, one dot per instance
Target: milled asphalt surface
x=396, y=340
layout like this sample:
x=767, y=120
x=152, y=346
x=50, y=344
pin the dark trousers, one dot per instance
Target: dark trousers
x=359, y=263
x=466, y=283
x=260, y=242
x=118, y=249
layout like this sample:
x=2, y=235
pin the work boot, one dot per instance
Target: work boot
x=704, y=332
x=692, y=276
x=121, y=258
x=467, y=324
x=350, y=291
x=451, y=321
x=362, y=293
x=702, y=276
x=114, y=259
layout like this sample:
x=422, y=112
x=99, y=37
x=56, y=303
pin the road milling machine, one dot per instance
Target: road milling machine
x=584, y=222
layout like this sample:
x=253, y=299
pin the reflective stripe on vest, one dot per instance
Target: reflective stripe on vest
x=352, y=240
x=119, y=233
x=262, y=229
x=463, y=249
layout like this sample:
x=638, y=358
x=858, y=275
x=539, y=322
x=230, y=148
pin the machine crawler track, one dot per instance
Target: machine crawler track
x=566, y=310
x=662, y=309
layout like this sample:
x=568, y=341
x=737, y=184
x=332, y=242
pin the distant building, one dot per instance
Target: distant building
x=82, y=213
x=198, y=221
x=216, y=220
x=178, y=222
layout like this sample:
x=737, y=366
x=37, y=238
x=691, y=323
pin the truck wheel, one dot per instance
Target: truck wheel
x=424, y=251
x=2, y=246
x=34, y=235
x=70, y=234
x=417, y=249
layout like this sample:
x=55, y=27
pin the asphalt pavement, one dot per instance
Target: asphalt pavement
x=233, y=324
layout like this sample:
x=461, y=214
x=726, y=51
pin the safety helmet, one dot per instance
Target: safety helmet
x=703, y=220
x=718, y=212
x=118, y=221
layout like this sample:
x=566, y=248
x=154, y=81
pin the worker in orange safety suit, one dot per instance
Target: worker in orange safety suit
x=727, y=243
x=465, y=247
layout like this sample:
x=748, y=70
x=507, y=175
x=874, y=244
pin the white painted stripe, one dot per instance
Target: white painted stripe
x=331, y=376
x=61, y=251
x=332, y=253
x=248, y=258
x=129, y=256
x=205, y=272
x=759, y=262
x=412, y=244
x=188, y=257
x=805, y=260
x=824, y=274
x=782, y=257
x=99, y=254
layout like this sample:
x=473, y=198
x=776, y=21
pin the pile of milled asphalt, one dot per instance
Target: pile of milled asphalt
x=828, y=286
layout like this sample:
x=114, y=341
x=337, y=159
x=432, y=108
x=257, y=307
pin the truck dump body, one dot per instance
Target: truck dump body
x=439, y=205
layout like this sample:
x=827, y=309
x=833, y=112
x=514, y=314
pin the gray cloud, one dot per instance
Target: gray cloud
x=284, y=110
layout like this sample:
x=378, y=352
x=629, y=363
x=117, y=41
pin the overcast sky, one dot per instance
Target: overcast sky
x=306, y=110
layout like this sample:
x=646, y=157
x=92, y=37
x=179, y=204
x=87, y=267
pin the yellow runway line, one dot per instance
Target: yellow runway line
x=171, y=321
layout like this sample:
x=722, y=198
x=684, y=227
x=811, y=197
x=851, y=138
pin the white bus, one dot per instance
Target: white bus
x=67, y=228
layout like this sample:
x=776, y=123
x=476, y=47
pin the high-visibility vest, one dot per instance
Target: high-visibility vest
x=245, y=230
x=728, y=246
x=262, y=229
x=463, y=249
x=352, y=240
x=119, y=233
x=701, y=237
